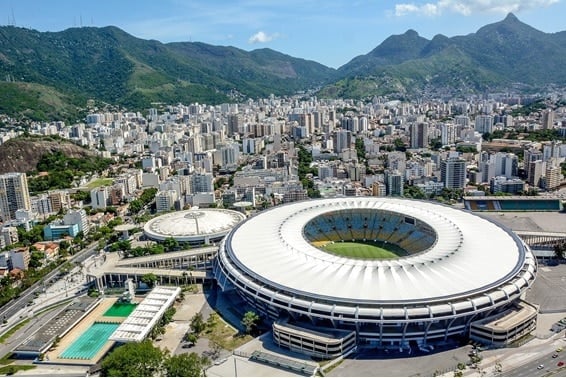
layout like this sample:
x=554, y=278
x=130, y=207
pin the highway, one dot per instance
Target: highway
x=531, y=369
x=14, y=306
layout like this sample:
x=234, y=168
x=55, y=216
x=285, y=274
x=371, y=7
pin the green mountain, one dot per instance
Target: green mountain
x=109, y=65
x=497, y=56
x=52, y=75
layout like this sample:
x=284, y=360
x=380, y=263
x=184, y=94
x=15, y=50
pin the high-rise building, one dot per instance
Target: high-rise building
x=99, y=197
x=548, y=119
x=234, y=123
x=342, y=140
x=394, y=183
x=529, y=156
x=484, y=124
x=453, y=173
x=59, y=199
x=165, y=200
x=536, y=172
x=419, y=135
x=487, y=170
x=202, y=183
x=448, y=134
x=553, y=176
x=378, y=189
x=506, y=165
x=14, y=195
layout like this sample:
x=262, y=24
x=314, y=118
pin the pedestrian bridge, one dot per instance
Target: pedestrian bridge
x=174, y=268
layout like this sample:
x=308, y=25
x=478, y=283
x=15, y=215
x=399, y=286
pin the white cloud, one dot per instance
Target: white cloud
x=468, y=7
x=262, y=37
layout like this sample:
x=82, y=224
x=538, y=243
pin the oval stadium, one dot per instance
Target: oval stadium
x=374, y=272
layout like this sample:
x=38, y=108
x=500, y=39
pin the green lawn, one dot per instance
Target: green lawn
x=103, y=181
x=364, y=250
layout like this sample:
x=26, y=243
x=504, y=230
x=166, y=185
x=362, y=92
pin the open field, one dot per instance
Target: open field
x=363, y=250
x=103, y=181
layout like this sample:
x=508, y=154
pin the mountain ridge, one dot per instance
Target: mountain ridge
x=112, y=66
x=502, y=53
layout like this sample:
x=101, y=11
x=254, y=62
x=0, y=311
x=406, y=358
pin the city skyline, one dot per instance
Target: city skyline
x=331, y=33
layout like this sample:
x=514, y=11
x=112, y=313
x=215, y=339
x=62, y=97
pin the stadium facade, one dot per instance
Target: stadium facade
x=456, y=269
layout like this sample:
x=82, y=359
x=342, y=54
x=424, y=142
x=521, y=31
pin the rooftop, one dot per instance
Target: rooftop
x=190, y=225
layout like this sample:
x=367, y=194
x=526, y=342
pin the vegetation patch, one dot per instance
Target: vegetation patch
x=221, y=333
x=13, y=330
x=13, y=369
x=103, y=181
x=364, y=250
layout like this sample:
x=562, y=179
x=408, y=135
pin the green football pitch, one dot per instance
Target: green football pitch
x=364, y=250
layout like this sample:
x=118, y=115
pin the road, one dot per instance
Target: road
x=29, y=329
x=531, y=368
x=14, y=306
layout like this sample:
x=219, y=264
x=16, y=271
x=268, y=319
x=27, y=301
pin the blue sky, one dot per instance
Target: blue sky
x=331, y=32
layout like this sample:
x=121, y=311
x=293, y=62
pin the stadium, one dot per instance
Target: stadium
x=195, y=226
x=411, y=274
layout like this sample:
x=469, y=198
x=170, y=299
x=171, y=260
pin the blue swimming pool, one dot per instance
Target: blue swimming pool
x=90, y=342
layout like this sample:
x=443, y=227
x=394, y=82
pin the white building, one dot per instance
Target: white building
x=77, y=217
x=99, y=197
x=165, y=200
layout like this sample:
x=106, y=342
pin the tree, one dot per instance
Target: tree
x=134, y=360
x=156, y=331
x=250, y=321
x=36, y=259
x=168, y=315
x=149, y=279
x=191, y=338
x=66, y=267
x=197, y=323
x=559, y=250
x=185, y=365
x=399, y=145
x=135, y=206
x=170, y=244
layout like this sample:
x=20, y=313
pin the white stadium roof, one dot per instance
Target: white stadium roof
x=471, y=254
x=193, y=225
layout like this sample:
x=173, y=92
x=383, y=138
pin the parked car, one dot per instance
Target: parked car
x=541, y=366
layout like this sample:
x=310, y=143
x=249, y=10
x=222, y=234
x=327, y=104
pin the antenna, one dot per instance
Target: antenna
x=13, y=17
x=81, y=20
